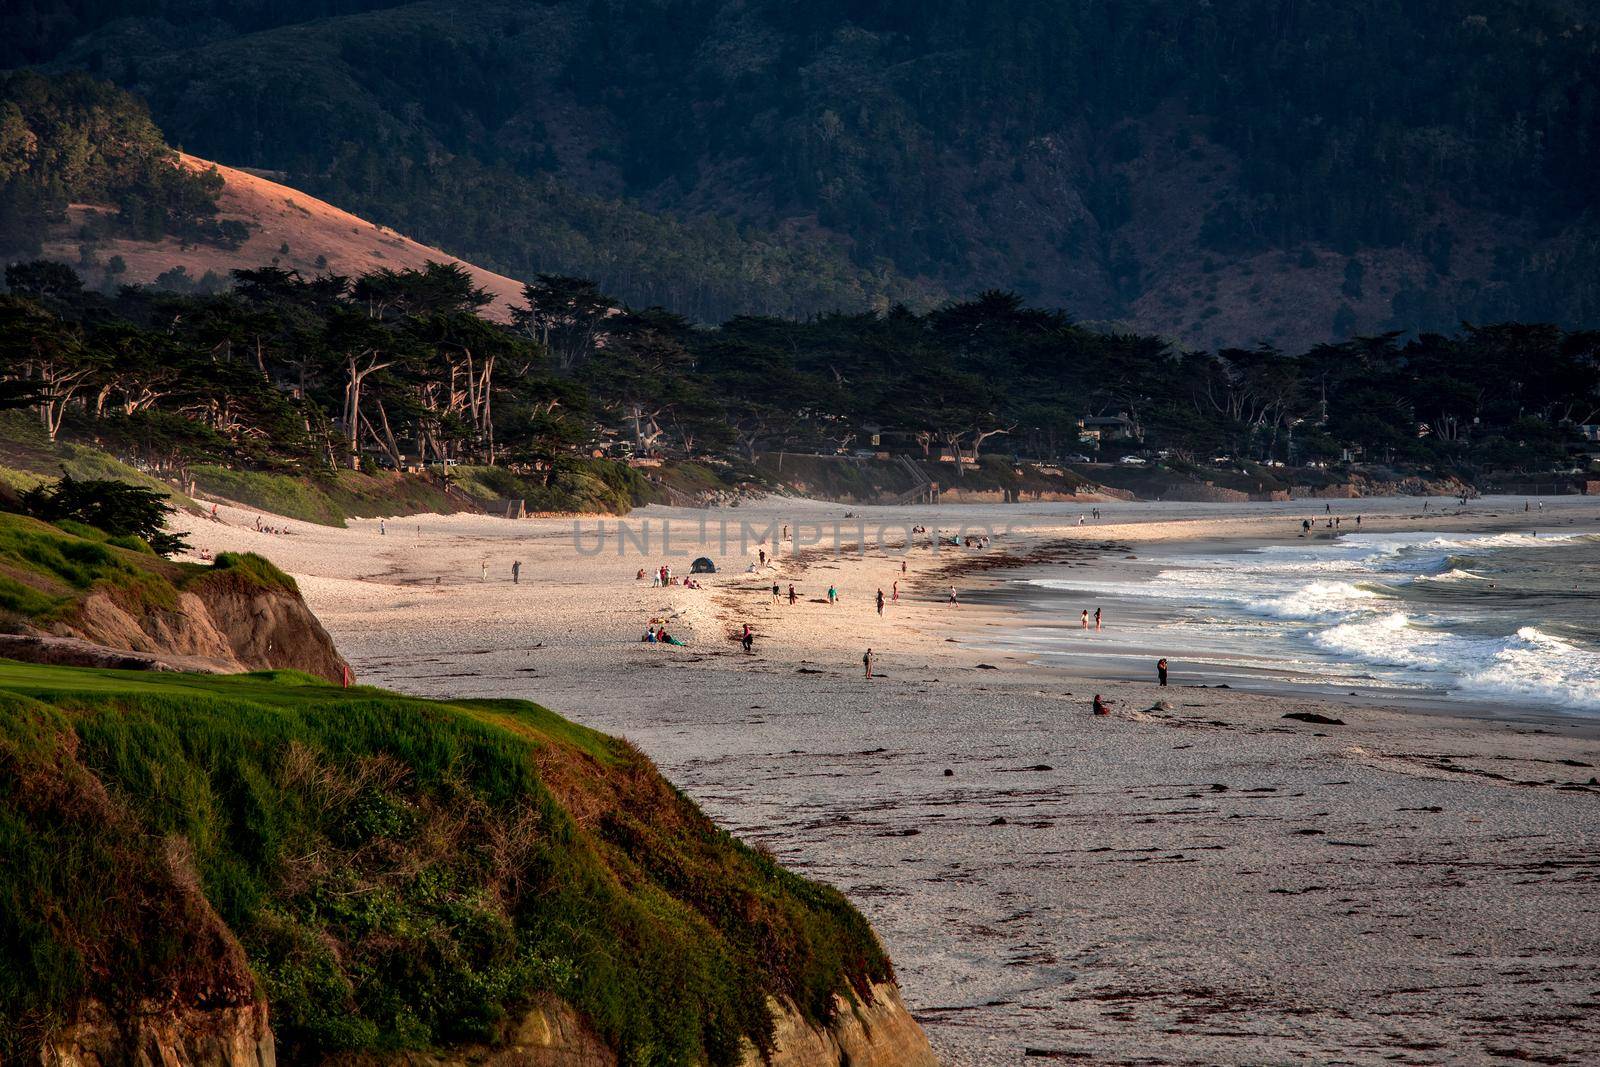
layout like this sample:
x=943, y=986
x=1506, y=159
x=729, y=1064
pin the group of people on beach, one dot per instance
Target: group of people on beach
x=261, y=527
x=1333, y=523
x=662, y=576
x=656, y=634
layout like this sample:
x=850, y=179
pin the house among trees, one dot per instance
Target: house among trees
x=1113, y=427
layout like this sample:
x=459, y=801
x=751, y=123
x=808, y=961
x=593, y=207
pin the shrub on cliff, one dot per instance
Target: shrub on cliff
x=117, y=508
x=258, y=570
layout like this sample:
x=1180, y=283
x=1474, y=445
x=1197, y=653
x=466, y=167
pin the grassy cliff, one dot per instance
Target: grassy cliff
x=47, y=570
x=397, y=873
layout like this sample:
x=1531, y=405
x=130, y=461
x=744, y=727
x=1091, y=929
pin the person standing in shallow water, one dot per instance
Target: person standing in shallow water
x=1097, y=619
x=1085, y=618
x=1161, y=671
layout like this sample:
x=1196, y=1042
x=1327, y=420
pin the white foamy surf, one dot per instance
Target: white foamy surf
x=1497, y=616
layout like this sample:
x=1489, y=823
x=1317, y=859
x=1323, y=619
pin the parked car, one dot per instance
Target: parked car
x=1132, y=461
x=1075, y=458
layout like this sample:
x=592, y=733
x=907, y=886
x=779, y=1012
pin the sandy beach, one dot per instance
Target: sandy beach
x=1205, y=882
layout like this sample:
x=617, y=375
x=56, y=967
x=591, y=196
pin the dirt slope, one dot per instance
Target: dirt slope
x=278, y=216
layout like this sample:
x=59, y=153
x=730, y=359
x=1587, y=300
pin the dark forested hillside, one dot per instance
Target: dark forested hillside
x=1290, y=170
x=76, y=138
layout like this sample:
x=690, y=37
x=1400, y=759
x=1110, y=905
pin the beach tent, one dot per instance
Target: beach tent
x=702, y=566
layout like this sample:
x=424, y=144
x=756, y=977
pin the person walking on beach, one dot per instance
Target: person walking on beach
x=866, y=661
x=1305, y=527
x=747, y=639
x=483, y=570
x=516, y=572
x=1085, y=618
x=896, y=596
x=1161, y=671
x=833, y=595
x=880, y=602
x=902, y=566
x=1097, y=620
x=381, y=530
x=763, y=556
x=775, y=592
x=791, y=593
x=953, y=599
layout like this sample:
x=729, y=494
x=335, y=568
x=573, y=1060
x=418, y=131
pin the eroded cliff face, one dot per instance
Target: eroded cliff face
x=153, y=1036
x=224, y=622
x=877, y=1032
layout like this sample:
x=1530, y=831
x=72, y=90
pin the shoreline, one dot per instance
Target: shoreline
x=1013, y=607
x=1208, y=883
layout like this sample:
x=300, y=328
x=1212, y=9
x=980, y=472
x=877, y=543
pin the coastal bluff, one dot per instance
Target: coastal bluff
x=224, y=622
x=311, y=873
x=73, y=596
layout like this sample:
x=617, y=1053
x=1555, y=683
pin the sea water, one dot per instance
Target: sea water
x=1511, y=618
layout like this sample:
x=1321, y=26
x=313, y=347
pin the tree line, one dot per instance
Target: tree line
x=400, y=368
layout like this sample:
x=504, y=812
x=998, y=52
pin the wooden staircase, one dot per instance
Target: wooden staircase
x=926, y=491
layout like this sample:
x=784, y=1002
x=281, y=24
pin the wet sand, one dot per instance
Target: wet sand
x=1204, y=883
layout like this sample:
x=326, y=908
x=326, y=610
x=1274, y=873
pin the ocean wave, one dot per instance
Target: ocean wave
x=1454, y=574
x=1315, y=600
x=1529, y=664
x=1392, y=604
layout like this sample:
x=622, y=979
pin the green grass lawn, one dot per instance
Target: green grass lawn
x=401, y=873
